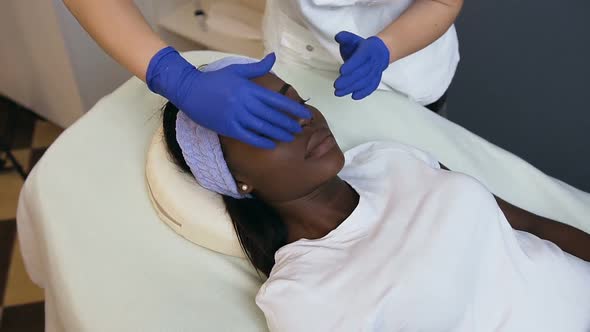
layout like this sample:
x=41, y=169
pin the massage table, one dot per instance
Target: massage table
x=92, y=240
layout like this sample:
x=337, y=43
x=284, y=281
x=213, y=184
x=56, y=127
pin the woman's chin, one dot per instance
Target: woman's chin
x=332, y=162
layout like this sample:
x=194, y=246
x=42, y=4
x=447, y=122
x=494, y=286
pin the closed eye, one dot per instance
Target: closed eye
x=285, y=88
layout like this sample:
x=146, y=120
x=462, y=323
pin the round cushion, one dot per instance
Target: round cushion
x=195, y=213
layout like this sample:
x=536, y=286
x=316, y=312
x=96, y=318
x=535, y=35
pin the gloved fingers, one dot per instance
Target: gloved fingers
x=346, y=51
x=348, y=43
x=265, y=128
x=345, y=81
x=277, y=101
x=358, y=58
x=356, y=86
x=370, y=88
x=254, y=139
x=359, y=84
x=347, y=37
x=256, y=69
x=273, y=116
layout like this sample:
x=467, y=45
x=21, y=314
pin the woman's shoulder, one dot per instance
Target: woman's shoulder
x=376, y=169
x=293, y=276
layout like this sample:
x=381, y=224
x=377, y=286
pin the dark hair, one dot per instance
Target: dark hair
x=260, y=230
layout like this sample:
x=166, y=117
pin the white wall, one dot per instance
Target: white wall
x=34, y=66
x=49, y=64
x=96, y=74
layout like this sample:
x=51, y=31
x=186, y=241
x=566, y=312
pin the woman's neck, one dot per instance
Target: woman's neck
x=319, y=212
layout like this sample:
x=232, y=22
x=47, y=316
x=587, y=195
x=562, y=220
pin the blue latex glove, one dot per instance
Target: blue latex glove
x=364, y=63
x=225, y=100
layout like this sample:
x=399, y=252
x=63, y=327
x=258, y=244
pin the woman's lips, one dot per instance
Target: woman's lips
x=320, y=142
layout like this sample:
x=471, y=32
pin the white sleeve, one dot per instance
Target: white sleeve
x=283, y=308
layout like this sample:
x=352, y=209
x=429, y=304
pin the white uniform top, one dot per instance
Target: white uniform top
x=425, y=250
x=302, y=32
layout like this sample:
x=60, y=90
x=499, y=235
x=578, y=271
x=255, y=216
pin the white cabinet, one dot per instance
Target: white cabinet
x=35, y=67
x=223, y=25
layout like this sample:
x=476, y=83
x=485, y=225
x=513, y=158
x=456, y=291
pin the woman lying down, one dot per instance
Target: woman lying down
x=382, y=237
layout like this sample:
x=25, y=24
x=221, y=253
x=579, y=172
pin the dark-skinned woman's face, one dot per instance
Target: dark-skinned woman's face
x=293, y=169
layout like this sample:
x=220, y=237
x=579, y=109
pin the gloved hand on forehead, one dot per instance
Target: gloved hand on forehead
x=225, y=100
x=364, y=63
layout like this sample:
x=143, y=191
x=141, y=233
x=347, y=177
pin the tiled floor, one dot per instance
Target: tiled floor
x=28, y=137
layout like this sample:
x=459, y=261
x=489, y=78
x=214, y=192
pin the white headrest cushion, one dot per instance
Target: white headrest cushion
x=193, y=212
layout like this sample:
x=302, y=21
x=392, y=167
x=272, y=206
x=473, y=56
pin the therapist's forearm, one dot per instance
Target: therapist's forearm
x=120, y=29
x=419, y=26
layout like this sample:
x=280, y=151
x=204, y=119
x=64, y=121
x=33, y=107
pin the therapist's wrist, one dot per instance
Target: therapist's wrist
x=165, y=72
x=390, y=44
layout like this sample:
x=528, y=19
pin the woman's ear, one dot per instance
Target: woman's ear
x=244, y=188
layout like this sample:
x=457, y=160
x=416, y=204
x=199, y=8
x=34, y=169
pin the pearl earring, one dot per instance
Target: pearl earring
x=244, y=187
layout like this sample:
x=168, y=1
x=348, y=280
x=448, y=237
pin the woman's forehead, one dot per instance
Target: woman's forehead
x=270, y=81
